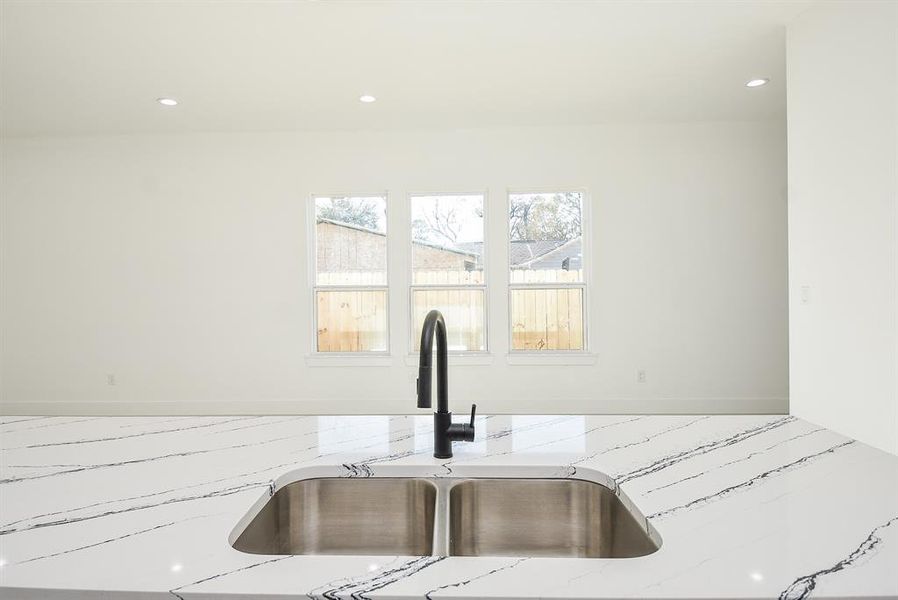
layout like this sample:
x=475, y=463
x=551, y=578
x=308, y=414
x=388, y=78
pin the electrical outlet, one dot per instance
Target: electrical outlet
x=110, y=379
x=640, y=376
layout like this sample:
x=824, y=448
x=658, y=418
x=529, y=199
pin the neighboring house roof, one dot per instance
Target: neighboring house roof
x=566, y=255
x=472, y=248
x=456, y=250
x=538, y=254
x=349, y=225
x=524, y=251
x=524, y=254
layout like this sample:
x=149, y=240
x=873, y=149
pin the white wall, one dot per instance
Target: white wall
x=843, y=247
x=178, y=263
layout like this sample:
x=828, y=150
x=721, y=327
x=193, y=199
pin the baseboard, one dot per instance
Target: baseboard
x=331, y=406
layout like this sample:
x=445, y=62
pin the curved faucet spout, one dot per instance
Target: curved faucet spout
x=444, y=430
x=434, y=325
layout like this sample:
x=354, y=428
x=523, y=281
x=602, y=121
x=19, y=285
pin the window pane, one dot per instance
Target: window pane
x=447, y=239
x=546, y=234
x=547, y=319
x=352, y=321
x=351, y=239
x=463, y=311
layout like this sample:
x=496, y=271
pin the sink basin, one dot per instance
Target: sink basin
x=447, y=516
x=542, y=517
x=373, y=516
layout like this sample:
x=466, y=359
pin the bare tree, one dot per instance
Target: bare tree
x=546, y=217
x=439, y=224
x=354, y=211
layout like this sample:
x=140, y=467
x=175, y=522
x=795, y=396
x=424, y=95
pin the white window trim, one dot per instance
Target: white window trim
x=468, y=357
x=553, y=357
x=460, y=359
x=363, y=358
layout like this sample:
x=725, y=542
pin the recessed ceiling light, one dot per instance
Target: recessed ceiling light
x=756, y=82
x=167, y=101
x=367, y=99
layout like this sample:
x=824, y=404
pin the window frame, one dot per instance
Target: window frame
x=413, y=287
x=584, y=285
x=315, y=287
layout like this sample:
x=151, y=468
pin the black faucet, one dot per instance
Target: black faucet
x=444, y=430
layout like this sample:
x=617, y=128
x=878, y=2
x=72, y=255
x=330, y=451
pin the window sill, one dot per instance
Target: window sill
x=551, y=359
x=334, y=359
x=473, y=358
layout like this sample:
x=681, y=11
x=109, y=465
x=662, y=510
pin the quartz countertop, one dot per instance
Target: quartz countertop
x=144, y=507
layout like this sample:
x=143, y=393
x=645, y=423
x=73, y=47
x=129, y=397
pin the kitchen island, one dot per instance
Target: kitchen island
x=147, y=507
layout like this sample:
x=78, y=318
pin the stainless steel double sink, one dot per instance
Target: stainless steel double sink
x=447, y=517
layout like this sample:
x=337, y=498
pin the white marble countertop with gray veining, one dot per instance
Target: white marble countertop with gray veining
x=746, y=506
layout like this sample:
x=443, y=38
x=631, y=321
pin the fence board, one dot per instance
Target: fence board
x=354, y=320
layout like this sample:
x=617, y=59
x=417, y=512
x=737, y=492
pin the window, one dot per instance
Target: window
x=350, y=286
x=448, y=267
x=547, y=292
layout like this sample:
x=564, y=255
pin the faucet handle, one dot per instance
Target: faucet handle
x=463, y=432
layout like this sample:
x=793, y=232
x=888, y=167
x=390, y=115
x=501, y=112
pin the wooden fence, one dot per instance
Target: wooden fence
x=352, y=320
x=542, y=319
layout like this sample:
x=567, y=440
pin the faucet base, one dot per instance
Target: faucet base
x=442, y=443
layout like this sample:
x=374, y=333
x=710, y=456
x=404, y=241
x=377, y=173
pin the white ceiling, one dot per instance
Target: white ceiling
x=80, y=67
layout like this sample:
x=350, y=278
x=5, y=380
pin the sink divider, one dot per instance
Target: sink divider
x=441, y=516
